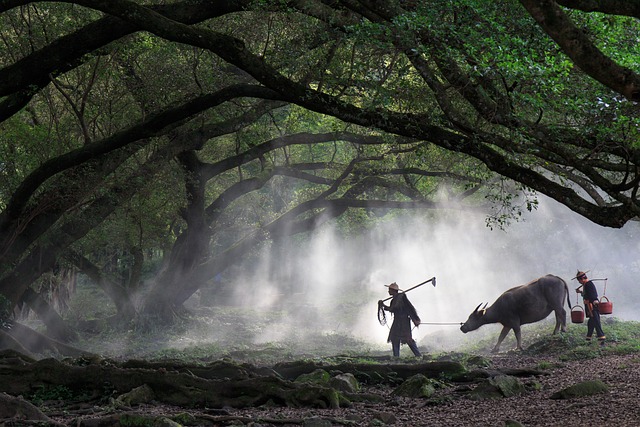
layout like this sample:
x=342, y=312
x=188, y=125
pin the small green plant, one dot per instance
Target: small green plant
x=543, y=365
x=44, y=393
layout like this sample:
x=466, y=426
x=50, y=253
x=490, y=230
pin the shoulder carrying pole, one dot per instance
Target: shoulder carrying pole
x=432, y=280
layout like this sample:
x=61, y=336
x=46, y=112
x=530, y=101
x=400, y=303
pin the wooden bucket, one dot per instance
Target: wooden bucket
x=577, y=316
x=606, y=307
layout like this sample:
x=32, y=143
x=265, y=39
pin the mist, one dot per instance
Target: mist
x=331, y=285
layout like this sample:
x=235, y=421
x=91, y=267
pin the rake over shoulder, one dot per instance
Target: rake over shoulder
x=432, y=280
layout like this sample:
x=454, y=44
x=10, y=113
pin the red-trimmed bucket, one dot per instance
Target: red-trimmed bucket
x=606, y=307
x=577, y=316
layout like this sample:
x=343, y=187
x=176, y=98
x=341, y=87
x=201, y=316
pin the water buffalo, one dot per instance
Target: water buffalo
x=523, y=304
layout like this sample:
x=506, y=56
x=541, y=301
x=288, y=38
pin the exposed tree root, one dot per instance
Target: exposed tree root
x=25, y=340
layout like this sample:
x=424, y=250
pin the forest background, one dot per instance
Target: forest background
x=168, y=156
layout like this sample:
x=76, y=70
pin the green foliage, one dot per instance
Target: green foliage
x=194, y=353
x=623, y=337
x=508, y=204
x=22, y=148
x=544, y=365
x=89, y=303
x=45, y=393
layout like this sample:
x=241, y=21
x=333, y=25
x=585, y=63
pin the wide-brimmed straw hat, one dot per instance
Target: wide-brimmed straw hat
x=580, y=273
x=394, y=285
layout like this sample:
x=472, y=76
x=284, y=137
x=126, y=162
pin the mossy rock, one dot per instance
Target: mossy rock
x=582, y=389
x=137, y=396
x=345, y=382
x=479, y=361
x=498, y=387
x=317, y=397
x=319, y=377
x=184, y=418
x=416, y=386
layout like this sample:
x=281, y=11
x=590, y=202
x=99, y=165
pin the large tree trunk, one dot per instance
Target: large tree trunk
x=191, y=249
x=43, y=256
x=56, y=326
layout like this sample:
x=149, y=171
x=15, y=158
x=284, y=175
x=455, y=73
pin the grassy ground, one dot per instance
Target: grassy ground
x=240, y=335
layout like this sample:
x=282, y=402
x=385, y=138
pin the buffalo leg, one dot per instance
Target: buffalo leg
x=503, y=335
x=517, y=332
x=561, y=321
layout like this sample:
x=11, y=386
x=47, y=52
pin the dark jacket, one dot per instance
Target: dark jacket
x=590, y=297
x=403, y=314
x=589, y=292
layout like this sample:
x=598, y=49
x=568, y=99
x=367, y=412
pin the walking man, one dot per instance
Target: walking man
x=403, y=314
x=590, y=297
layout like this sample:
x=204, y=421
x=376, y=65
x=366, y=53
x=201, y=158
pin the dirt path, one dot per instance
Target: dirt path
x=617, y=408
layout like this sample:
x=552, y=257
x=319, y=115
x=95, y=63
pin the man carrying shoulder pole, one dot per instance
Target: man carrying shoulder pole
x=591, y=304
x=403, y=314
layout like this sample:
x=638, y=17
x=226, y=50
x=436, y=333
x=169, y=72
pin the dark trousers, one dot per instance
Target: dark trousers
x=594, y=324
x=395, y=346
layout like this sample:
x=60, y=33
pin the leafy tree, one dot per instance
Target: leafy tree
x=206, y=130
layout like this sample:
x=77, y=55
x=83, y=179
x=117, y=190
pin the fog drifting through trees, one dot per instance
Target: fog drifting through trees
x=332, y=286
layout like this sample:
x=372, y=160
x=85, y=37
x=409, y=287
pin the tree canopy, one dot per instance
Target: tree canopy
x=203, y=129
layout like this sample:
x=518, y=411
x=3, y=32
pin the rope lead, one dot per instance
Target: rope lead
x=442, y=323
x=382, y=317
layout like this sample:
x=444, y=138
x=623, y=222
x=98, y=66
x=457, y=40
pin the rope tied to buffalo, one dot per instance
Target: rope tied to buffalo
x=442, y=323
